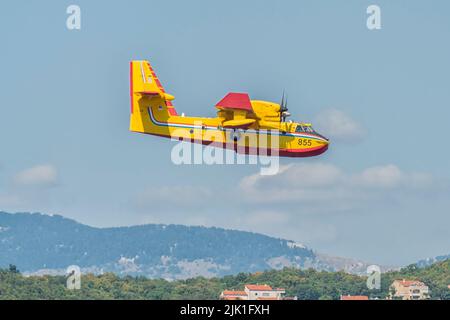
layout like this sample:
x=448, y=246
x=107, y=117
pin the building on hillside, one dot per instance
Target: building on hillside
x=255, y=292
x=233, y=295
x=263, y=292
x=409, y=290
x=348, y=297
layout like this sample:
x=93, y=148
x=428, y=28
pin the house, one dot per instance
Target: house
x=254, y=292
x=354, y=297
x=233, y=295
x=263, y=292
x=409, y=290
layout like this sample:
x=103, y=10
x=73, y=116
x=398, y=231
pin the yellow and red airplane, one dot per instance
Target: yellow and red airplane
x=247, y=126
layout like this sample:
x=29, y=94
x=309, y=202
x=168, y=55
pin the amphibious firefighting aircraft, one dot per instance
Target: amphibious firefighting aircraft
x=244, y=125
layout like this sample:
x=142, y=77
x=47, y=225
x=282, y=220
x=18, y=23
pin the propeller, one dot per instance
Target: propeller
x=283, y=108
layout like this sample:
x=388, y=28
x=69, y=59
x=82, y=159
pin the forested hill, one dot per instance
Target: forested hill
x=305, y=284
x=35, y=242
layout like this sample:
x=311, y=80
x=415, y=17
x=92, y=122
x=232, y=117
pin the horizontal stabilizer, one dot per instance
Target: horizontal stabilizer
x=163, y=95
x=149, y=93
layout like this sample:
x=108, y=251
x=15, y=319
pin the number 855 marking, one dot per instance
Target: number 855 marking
x=304, y=142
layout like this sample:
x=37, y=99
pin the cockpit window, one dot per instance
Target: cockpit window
x=304, y=129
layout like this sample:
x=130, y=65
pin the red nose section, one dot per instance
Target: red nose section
x=295, y=153
x=292, y=153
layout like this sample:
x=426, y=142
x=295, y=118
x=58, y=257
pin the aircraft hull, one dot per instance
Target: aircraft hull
x=183, y=131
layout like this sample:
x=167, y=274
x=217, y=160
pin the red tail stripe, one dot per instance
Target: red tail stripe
x=172, y=111
x=131, y=87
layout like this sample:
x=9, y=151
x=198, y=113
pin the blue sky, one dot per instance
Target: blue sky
x=381, y=193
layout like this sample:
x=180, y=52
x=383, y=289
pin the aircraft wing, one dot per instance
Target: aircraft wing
x=235, y=101
x=239, y=123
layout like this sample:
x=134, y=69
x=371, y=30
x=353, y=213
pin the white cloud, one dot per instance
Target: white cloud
x=388, y=176
x=338, y=126
x=41, y=175
x=312, y=175
x=327, y=184
x=294, y=182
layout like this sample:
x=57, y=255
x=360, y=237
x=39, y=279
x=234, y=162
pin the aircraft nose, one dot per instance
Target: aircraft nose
x=323, y=143
x=323, y=137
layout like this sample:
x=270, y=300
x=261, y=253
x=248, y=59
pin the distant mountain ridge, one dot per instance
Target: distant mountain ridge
x=38, y=243
x=430, y=261
x=35, y=242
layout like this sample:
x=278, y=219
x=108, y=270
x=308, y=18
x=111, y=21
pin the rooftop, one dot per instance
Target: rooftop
x=262, y=287
x=354, y=298
x=408, y=283
x=233, y=293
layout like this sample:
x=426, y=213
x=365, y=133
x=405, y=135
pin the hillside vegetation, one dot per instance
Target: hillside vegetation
x=305, y=284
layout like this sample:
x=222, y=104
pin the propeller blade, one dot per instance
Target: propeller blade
x=282, y=107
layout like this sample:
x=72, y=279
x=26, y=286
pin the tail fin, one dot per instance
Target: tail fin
x=144, y=85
